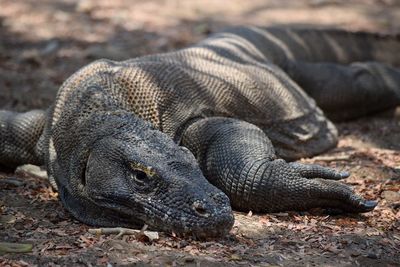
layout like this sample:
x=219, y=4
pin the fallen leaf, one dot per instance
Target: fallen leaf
x=15, y=247
x=235, y=257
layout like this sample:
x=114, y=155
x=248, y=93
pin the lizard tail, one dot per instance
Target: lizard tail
x=283, y=44
x=339, y=46
x=19, y=138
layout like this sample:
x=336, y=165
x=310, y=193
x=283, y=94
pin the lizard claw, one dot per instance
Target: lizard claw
x=336, y=195
x=344, y=174
x=368, y=205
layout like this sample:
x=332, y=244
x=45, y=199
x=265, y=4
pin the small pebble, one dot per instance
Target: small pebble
x=372, y=256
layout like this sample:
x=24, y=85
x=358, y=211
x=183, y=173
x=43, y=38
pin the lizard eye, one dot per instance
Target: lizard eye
x=140, y=177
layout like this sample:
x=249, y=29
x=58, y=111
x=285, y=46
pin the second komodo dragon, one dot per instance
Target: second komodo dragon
x=175, y=140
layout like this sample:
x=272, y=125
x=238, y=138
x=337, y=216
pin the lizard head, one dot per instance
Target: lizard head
x=136, y=175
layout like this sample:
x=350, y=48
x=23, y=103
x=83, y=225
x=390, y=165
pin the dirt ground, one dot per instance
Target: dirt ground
x=42, y=42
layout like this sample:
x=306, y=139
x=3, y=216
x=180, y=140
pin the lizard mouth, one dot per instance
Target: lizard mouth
x=202, y=228
x=201, y=232
x=184, y=224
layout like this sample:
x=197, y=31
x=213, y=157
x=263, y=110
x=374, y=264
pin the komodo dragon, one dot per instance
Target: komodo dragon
x=175, y=140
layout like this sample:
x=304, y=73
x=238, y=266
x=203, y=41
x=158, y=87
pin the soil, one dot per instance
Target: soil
x=42, y=42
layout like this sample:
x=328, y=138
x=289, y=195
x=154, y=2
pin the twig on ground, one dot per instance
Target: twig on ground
x=333, y=158
x=120, y=231
x=6, y=247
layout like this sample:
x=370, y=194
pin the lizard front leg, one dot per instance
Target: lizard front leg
x=238, y=158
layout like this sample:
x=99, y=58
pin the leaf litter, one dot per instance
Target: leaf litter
x=38, y=52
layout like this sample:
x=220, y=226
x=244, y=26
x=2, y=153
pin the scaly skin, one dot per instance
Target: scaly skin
x=174, y=140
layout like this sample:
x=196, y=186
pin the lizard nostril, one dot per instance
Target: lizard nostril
x=199, y=209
